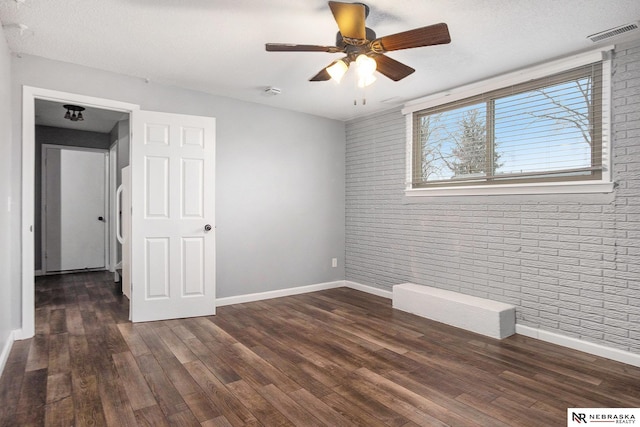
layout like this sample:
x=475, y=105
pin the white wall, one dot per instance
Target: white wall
x=7, y=310
x=279, y=178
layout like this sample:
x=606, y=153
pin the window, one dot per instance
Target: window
x=544, y=130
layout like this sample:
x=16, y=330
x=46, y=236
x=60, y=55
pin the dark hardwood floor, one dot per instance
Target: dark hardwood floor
x=336, y=358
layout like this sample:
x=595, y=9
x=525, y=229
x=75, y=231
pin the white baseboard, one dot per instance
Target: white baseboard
x=19, y=335
x=581, y=345
x=369, y=289
x=6, y=349
x=38, y=273
x=220, y=302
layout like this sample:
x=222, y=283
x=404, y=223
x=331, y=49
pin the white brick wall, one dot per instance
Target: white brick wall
x=570, y=264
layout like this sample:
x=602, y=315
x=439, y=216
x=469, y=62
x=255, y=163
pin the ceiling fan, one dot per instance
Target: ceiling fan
x=361, y=45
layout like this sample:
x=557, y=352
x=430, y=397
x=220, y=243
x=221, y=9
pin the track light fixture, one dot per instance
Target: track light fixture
x=76, y=116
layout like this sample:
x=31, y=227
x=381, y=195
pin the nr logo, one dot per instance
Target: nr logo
x=579, y=418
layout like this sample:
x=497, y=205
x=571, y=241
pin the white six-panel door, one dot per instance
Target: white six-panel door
x=173, y=223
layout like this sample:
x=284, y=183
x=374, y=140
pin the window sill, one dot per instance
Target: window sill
x=508, y=189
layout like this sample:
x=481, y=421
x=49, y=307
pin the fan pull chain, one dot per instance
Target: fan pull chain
x=364, y=94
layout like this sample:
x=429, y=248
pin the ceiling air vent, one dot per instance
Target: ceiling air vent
x=607, y=34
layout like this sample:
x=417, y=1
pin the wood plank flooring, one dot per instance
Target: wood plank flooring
x=332, y=358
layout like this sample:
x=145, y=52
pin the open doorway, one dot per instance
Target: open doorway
x=172, y=242
x=74, y=222
x=43, y=110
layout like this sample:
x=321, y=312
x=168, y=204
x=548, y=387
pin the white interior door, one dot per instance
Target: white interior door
x=74, y=209
x=172, y=221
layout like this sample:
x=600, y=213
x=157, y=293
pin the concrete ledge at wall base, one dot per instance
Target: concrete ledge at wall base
x=580, y=345
x=483, y=316
x=6, y=349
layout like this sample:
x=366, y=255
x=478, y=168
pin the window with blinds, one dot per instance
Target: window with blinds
x=547, y=129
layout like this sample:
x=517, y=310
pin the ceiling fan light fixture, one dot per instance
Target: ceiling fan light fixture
x=366, y=81
x=337, y=70
x=360, y=43
x=366, y=66
x=67, y=115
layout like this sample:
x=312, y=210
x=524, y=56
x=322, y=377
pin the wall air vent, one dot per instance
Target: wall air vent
x=607, y=34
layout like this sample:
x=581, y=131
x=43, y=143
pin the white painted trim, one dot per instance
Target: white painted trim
x=106, y=216
x=604, y=185
x=18, y=334
x=369, y=289
x=584, y=187
x=112, y=213
x=607, y=118
x=27, y=213
x=29, y=95
x=408, y=123
x=38, y=273
x=4, y=354
x=580, y=345
x=240, y=299
x=508, y=79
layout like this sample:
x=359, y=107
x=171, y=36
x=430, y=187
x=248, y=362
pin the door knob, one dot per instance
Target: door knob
x=207, y=227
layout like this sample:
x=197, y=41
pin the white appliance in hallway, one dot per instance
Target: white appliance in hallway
x=123, y=228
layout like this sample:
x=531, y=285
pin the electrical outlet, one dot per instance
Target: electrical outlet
x=334, y=262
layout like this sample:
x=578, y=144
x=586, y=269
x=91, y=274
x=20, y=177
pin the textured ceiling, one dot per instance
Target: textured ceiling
x=217, y=46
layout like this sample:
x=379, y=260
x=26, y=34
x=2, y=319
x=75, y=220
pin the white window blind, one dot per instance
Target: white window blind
x=548, y=129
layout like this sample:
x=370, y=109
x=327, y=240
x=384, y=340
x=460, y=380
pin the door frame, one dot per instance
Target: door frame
x=43, y=195
x=111, y=197
x=27, y=273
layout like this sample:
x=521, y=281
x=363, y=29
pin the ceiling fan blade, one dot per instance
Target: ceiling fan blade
x=287, y=47
x=350, y=18
x=425, y=36
x=322, y=76
x=391, y=68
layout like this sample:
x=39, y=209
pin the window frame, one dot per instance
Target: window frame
x=601, y=184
